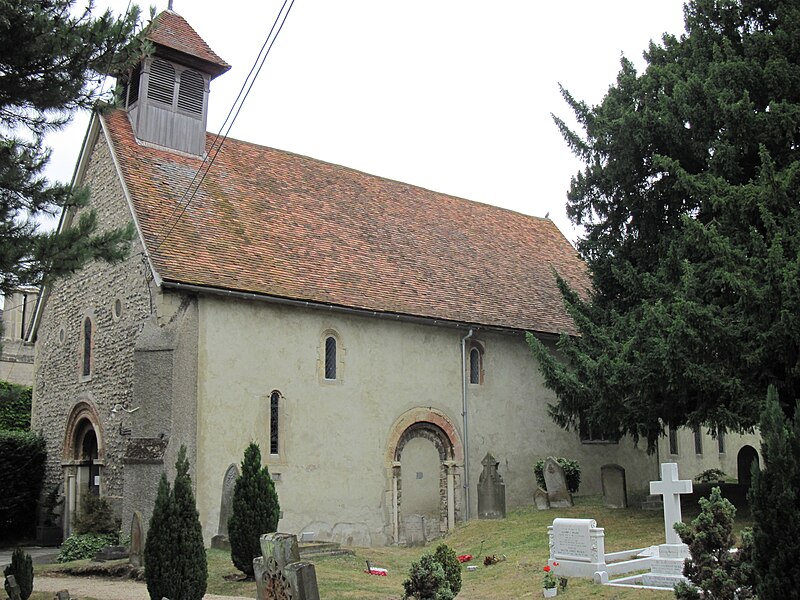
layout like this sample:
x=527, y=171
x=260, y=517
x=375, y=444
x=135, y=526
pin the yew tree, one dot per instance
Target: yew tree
x=51, y=60
x=689, y=199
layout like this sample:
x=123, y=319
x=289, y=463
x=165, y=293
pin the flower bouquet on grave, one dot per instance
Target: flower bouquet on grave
x=549, y=582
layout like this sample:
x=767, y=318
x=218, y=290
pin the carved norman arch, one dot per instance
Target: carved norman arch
x=435, y=426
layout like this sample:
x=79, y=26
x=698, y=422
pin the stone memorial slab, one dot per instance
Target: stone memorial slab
x=540, y=498
x=414, y=529
x=111, y=553
x=62, y=595
x=137, y=540
x=577, y=547
x=302, y=578
x=280, y=547
x=556, y=483
x=220, y=542
x=615, y=493
x=491, y=490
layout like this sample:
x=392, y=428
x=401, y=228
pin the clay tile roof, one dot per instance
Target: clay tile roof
x=171, y=30
x=271, y=222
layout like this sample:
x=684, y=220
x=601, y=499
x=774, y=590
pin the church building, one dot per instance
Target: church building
x=368, y=334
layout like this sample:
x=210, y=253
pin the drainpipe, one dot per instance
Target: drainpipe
x=466, y=420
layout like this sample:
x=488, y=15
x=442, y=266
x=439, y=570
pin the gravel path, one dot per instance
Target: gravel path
x=105, y=589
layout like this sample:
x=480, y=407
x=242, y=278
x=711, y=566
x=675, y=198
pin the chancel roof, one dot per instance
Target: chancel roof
x=274, y=223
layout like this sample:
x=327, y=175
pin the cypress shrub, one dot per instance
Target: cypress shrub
x=446, y=557
x=21, y=568
x=255, y=510
x=775, y=503
x=175, y=564
x=713, y=568
x=427, y=580
x=22, y=459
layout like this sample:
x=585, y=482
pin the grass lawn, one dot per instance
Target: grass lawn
x=522, y=538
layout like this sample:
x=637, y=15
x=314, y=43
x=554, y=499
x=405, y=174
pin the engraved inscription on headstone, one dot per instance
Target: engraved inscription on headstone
x=571, y=539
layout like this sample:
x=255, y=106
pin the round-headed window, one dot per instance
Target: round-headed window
x=116, y=308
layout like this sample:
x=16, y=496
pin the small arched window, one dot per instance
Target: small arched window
x=330, y=357
x=274, y=411
x=474, y=366
x=86, y=370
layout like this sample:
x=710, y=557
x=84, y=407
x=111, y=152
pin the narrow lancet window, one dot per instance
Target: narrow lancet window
x=87, y=347
x=474, y=366
x=330, y=357
x=274, y=400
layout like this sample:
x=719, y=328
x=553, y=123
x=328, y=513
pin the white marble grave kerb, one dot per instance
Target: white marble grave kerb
x=577, y=547
x=670, y=487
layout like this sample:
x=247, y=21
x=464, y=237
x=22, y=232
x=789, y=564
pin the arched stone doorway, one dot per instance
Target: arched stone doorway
x=746, y=457
x=82, y=459
x=425, y=459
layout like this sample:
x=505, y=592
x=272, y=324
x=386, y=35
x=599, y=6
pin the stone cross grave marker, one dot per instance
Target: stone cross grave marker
x=12, y=588
x=491, y=490
x=671, y=488
x=280, y=574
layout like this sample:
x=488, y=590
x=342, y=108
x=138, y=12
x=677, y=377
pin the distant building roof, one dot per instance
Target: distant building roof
x=272, y=222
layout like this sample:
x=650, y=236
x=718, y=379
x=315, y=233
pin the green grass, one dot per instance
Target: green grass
x=521, y=537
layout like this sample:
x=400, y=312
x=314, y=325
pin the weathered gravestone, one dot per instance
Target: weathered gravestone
x=137, y=540
x=62, y=595
x=540, y=498
x=556, y=482
x=12, y=588
x=414, y=530
x=226, y=503
x=615, y=493
x=667, y=569
x=279, y=572
x=491, y=490
x=577, y=547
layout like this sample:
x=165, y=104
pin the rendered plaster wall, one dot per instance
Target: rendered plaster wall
x=92, y=291
x=332, y=464
x=691, y=464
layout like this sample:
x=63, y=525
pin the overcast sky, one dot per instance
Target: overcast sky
x=451, y=95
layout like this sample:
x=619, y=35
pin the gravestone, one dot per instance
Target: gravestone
x=556, y=482
x=615, y=493
x=540, y=498
x=12, y=588
x=414, y=529
x=226, y=503
x=491, y=490
x=111, y=553
x=279, y=572
x=666, y=570
x=577, y=547
x=137, y=540
x=62, y=595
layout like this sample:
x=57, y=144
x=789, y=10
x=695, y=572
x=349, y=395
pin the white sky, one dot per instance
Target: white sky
x=451, y=95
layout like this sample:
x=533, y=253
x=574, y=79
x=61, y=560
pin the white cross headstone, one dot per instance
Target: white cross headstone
x=670, y=487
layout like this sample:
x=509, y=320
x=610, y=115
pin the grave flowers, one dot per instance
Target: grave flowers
x=549, y=582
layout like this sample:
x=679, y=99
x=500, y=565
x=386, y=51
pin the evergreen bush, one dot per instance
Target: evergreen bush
x=572, y=473
x=713, y=569
x=22, y=459
x=15, y=407
x=95, y=516
x=255, y=510
x=446, y=557
x=175, y=563
x=427, y=580
x=21, y=567
x=775, y=503
x=80, y=546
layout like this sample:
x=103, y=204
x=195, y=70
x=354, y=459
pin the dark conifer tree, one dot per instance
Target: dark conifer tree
x=690, y=204
x=51, y=63
x=21, y=567
x=255, y=510
x=775, y=504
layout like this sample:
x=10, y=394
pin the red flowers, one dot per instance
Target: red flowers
x=465, y=558
x=547, y=568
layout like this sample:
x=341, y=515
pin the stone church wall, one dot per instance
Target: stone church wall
x=92, y=292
